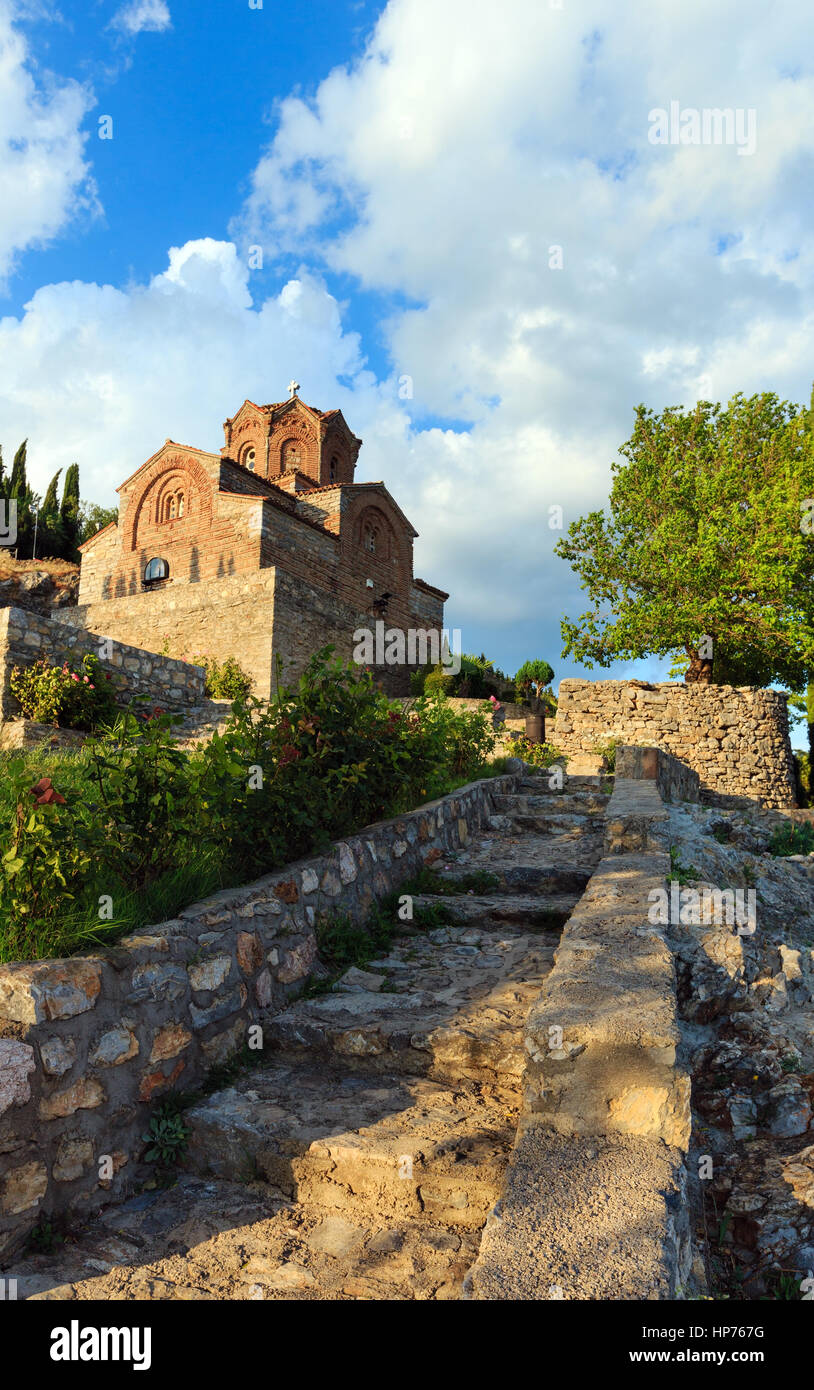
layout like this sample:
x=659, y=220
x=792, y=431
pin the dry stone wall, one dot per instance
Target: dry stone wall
x=26, y=637
x=735, y=739
x=88, y=1045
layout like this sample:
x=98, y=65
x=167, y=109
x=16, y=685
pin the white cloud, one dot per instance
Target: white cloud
x=142, y=17
x=103, y=375
x=44, y=178
x=454, y=165
x=466, y=143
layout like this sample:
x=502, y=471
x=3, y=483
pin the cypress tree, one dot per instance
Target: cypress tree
x=70, y=511
x=50, y=505
x=18, y=484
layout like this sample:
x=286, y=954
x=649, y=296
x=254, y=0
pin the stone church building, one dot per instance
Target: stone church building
x=267, y=549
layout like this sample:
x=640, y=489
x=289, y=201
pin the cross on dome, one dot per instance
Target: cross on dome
x=293, y=388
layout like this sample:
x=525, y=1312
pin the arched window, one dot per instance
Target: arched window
x=155, y=570
x=370, y=539
x=250, y=458
x=334, y=469
x=171, y=505
x=290, y=455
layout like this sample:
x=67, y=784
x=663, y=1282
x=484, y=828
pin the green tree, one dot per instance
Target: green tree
x=93, y=518
x=18, y=483
x=69, y=512
x=705, y=548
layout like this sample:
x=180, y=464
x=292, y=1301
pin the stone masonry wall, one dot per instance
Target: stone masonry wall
x=736, y=739
x=606, y=1090
x=250, y=616
x=89, y=1044
x=25, y=637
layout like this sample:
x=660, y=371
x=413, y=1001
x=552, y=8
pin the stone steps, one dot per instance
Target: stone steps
x=368, y=1145
x=453, y=1010
x=493, y=912
x=362, y=1157
x=546, y=802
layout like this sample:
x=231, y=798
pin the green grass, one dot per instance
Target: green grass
x=680, y=873
x=430, y=882
x=792, y=839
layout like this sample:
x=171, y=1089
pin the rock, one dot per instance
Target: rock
x=50, y=989
x=249, y=951
x=210, y=974
x=347, y=864
x=788, y=1109
x=297, y=961
x=73, y=1158
x=85, y=1094
x=355, y=979
x=23, y=1188
x=58, y=1055
x=743, y=1114
x=169, y=1041
x=263, y=1269
x=16, y=1064
x=113, y=1048
x=335, y=1236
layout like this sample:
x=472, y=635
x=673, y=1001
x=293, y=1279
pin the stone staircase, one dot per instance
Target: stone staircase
x=361, y=1158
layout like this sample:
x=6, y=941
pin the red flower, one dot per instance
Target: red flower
x=44, y=793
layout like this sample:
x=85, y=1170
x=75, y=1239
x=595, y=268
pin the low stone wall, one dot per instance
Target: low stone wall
x=89, y=1044
x=736, y=740
x=595, y=1205
x=25, y=637
x=675, y=781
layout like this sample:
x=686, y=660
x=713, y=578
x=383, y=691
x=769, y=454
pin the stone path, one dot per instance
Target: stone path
x=361, y=1159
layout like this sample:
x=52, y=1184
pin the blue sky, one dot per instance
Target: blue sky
x=407, y=170
x=191, y=105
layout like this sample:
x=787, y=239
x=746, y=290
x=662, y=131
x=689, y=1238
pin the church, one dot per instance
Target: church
x=265, y=551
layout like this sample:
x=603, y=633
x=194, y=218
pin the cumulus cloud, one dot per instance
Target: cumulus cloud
x=549, y=265
x=44, y=177
x=103, y=375
x=460, y=174
x=142, y=16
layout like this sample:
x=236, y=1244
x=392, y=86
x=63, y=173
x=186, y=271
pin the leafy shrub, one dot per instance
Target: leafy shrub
x=607, y=752
x=70, y=696
x=438, y=681
x=167, y=1137
x=225, y=680
x=143, y=822
x=535, y=754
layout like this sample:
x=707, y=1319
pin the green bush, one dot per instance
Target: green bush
x=74, y=697
x=438, y=681
x=535, y=754
x=225, y=680
x=140, y=822
x=607, y=752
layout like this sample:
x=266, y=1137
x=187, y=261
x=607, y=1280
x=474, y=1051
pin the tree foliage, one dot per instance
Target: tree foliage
x=707, y=543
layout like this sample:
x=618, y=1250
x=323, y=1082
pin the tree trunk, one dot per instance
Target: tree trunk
x=699, y=671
